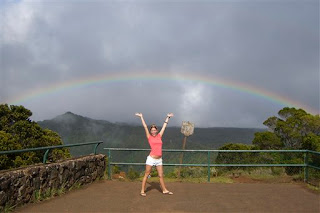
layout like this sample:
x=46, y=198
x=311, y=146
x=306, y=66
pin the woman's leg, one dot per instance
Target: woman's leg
x=160, y=174
x=147, y=172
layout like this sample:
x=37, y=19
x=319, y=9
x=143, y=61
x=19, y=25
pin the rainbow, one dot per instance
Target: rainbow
x=160, y=76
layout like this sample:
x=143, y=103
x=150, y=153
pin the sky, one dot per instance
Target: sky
x=213, y=63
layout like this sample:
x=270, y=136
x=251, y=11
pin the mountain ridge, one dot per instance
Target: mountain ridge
x=75, y=128
x=68, y=113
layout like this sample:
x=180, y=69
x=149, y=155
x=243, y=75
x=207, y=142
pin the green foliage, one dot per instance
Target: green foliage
x=154, y=172
x=59, y=154
x=193, y=172
x=295, y=128
x=115, y=169
x=17, y=131
x=277, y=171
x=235, y=158
x=76, y=185
x=314, y=176
x=267, y=140
x=293, y=170
x=236, y=146
x=311, y=142
x=172, y=174
x=36, y=195
x=106, y=173
x=8, y=208
x=132, y=174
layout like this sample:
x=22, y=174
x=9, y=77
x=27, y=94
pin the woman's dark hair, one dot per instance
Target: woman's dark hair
x=153, y=126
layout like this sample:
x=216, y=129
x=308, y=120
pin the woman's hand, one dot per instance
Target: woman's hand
x=139, y=114
x=165, y=123
x=170, y=114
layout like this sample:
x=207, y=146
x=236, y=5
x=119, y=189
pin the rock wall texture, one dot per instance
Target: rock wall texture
x=20, y=186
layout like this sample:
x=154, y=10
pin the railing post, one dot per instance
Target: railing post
x=109, y=165
x=208, y=166
x=306, y=173
x=45, y=156
x=95, y=148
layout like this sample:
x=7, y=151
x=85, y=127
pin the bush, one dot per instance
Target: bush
x=132, y=174
x=115, y=169
x=17, y=131
x=277, y=170
x=192, y=172
x=154, y=172
x=293, y=170
x=172, y=174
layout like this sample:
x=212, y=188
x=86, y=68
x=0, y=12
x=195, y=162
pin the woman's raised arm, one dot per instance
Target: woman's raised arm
x=144, y=124
x=169, y=115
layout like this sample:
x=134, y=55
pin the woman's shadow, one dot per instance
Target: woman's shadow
x=153, y=185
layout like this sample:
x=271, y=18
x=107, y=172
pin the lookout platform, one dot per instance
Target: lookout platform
x=117, y=196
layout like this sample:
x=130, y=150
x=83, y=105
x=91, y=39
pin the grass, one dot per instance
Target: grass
x=313, y=188
x=48, y=194
x=76, y=185
x=221, y=179
x=198, y=175
x=226, y=178
x=8, y=209
x=276, y=175
x=188, y=180
x=267, y=177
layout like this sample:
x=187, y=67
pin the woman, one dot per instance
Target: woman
x=155, y=156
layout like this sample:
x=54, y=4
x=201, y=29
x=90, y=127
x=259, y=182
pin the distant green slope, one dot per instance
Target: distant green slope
x=75, y=129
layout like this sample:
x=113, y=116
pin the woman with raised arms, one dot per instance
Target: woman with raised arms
x=155, y=156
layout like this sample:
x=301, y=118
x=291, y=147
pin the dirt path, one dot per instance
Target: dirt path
x=116, y=196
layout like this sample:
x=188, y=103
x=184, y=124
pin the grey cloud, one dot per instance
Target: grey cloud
x=271, y=45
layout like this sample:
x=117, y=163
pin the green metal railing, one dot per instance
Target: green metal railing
x=48, y=148
x=305, y=164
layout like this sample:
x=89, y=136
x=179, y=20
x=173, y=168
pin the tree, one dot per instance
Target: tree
x=291, y=127
x=311, y=142
x=267, y=140
x=17, y=131
x=235, y=158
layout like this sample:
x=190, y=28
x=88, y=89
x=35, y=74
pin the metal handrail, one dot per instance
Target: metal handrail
x=210, y=150
x=48, y=148
x=305, y=164
x=313, y=152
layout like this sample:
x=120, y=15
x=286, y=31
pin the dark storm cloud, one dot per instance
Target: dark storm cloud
x=272, y=45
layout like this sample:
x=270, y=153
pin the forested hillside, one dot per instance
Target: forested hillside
x=75, y=128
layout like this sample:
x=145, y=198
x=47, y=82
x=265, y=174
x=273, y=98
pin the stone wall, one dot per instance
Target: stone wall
x=20, y=186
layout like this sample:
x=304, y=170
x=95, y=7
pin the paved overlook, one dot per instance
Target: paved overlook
x=117, y=196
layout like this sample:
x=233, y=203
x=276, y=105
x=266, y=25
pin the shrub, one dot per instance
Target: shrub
x=132, y=174
x=192, y=172
x=115, y=169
